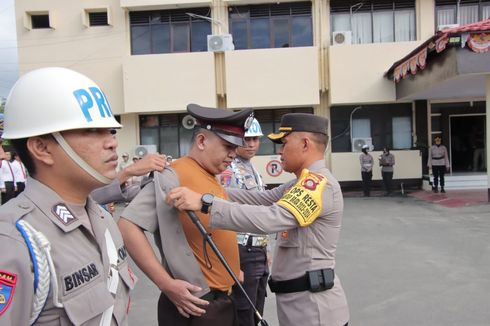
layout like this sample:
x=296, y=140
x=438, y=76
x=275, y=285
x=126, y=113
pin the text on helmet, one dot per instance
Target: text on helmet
x=86, y=99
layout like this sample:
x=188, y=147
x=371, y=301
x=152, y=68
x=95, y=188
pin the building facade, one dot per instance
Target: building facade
x=328, y=57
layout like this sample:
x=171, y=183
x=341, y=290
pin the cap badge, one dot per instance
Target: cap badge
x=249, y=121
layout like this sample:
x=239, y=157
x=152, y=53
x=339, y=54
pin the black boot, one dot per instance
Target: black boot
x=434, y=189
x=442, y=190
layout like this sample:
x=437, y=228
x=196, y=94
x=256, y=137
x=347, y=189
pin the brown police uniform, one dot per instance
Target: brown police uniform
x=298, y=249
x=81, y=255
x=307, y=213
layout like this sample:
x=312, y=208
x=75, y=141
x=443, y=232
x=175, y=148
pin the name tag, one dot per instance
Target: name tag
x=80, y=277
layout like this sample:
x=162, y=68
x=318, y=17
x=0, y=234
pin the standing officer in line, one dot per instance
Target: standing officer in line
x=438, y=161
x=386, y=161
x=307, y=212
x=20, y=173
x=366, y=161
x=8, y=184
x=242, y=174
x=195, y=285
x=66, y=262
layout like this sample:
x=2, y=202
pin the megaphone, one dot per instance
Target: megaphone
x=188, y=122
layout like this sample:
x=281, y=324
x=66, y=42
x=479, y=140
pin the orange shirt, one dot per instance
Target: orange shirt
x=194, y=177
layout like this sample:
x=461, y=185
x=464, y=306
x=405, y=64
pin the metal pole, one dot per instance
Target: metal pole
x=220, y=256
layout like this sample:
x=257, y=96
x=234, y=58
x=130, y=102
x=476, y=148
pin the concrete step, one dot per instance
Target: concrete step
x=470, y=181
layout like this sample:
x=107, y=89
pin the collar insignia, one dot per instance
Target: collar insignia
x=64, y=214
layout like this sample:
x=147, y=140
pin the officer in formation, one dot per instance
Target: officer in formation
x=66, y=262
x=242, y=174
x=438, y=161
x=307, y=212
x=8, y=184
x=366, y=161
x=195, y=285
x=386, y=161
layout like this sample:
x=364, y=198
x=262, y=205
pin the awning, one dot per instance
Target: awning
x=452, y=63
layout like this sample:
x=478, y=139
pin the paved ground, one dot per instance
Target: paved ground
x=403, y=262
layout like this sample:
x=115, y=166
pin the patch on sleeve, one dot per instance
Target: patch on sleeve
x=304, y=199
x=7, y=288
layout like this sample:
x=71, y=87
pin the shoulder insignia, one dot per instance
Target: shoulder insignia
x=8, y=281
x=304, y=199
x=64, y=214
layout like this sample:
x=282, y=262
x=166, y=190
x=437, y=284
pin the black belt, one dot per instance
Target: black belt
x=214, y=294
x=313, y=281
x=438, y=158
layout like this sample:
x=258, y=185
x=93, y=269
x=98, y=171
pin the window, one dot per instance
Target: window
x=40, y=21
x=387, y=125
x=461, y=12
x=98, y=19
x=374, y=21
x=172, y=138
x=167, y=31
x=271, y=25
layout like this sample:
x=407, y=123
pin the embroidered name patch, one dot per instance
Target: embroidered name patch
x=64, y=214
x=304, y=199
x=8, y=281
x=81, y=277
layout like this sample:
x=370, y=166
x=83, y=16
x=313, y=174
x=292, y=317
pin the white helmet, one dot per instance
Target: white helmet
x=254, y=130
x=55, y=99
x=51, y=100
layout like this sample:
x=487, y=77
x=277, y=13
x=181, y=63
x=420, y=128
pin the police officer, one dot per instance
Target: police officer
x=387, y=161
x=66, y=262
x=307, y=212
x=195, y=286
x=242, y=174
x=366, y=161
x=438, y=161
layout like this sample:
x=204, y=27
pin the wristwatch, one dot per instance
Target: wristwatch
x=207, y=201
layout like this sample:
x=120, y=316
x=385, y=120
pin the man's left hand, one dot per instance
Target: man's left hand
x=184, y=199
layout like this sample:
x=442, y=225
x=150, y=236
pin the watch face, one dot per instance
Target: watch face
x=207, y=198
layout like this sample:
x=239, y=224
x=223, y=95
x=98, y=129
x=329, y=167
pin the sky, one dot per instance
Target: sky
x=8, y=47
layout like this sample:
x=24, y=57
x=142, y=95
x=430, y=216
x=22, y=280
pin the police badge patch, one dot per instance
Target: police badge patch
x=64, y=214
x=7, y=288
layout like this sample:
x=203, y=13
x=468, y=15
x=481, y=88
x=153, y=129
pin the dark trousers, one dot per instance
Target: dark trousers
x=220, y=311
x=20, y=188
x=387, y=179
x=253, y=263
x=438, y=171
x=366, y=182
x=9, y=192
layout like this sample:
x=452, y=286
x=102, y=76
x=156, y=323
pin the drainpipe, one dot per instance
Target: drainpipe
x=487, y=135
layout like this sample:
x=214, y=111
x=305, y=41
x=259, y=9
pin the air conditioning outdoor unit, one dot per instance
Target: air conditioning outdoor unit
x=342, y=37
x=142, y=150
x=447, y=26
x=357, y=144
x=220, y=43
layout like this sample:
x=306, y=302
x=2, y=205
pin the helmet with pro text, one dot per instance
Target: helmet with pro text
x=55, y=99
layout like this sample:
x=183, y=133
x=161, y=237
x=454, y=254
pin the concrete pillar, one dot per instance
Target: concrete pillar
x=487, y=132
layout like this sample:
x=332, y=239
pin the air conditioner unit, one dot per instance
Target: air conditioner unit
x=357, y=143
x=142, y=150
x=342, y=37
x=447, y=26
x=220, y=43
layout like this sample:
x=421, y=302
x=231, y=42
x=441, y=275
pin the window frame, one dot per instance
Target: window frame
x=456, y=5
x=343, y=8
x=173, y=19
x=271, y=12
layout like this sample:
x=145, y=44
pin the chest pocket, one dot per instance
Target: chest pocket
x=88, y=304
x=288, y=238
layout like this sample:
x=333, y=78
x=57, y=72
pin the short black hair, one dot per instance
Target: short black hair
x=20, y=147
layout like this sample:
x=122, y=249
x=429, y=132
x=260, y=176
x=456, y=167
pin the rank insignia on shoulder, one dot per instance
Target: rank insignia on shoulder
x=8, y=282
x=304, y=199
x=64, y=214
